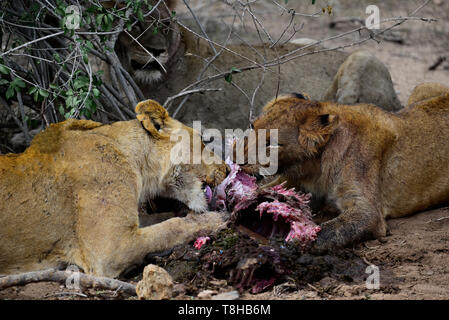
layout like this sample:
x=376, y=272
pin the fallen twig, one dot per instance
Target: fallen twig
x=371, y=248
x=54, y=275
x=434, y=66
x=366, y=261
x=437, y=220
x=66, y=294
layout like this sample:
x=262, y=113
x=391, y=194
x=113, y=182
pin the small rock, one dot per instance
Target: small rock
x=327, y=283
x=218, y=283
x=156, y=284
x=179, y=289
x=206, y=294
x=346, y=290
x=231, y=295
x=310, y=295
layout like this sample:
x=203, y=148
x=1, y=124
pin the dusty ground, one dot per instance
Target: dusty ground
x=413, y=263
x=413, y=260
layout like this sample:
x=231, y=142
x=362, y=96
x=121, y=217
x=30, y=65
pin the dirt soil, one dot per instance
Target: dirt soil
x=413, y=260
x=413, y=263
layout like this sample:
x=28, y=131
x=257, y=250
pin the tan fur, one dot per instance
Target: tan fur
x=370, y=163
x=147, y=55
x=73, y=195
x=426, y=91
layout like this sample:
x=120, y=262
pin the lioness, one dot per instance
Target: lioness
x=181, y=60
x=73, y=195
x=370, y=163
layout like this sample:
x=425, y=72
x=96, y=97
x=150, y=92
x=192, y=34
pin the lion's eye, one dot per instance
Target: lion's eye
x=156, y=125
x=206, y=141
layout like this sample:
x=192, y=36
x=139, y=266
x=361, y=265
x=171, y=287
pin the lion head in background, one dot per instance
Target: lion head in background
x=147, y=50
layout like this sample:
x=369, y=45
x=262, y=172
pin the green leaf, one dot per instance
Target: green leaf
x=228, y=77
x=313, y=1
x=140, y=15
x=128, y=26
x=10, y=92
x=32, y=90
x=96, y=92
x=89, y=44
x=4, y=69
x=61, y=109
x=3, y=81
x=78, y=84
x=99, y=18
x=60, y=11
x=108, y=21
x=43, y=93
x=57, y=57
x=18, y=83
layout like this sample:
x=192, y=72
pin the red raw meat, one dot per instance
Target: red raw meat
x=239, y=191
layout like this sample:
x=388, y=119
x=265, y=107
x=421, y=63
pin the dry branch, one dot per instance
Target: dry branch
x=53, y=275
x=43, y=39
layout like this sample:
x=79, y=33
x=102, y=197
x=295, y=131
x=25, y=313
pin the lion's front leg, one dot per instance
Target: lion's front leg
x=358, y=221
x=174, y=231
x=110, y=248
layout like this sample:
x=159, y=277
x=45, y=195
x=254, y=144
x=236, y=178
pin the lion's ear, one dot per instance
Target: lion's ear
x=316, y=131
x=152, y=116
x=303, y=96
x=327, y=119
